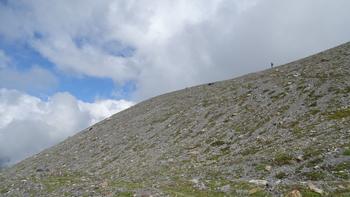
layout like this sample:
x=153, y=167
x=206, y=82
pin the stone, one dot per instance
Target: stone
x=268, y=168
x=195, y=180
x=194, y=153
x=225, y=188
x=253, y=191
x=300, y=158
x=294, y=193
x=314, y=188
x=259, y=182
x=104, y=184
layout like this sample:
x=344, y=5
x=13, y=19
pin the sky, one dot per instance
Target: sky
x=65, y=65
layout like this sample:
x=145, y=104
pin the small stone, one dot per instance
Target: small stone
x=300, y=158
x=253, y=191
x=194, y=152
x=225, y=188
x=201, y=186
x=294, y=193
x=268, y=168
x=104, y=184
x=259, y=182
x=313, y=187
x=195, y=181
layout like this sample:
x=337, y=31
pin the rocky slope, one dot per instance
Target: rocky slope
x=282, y=131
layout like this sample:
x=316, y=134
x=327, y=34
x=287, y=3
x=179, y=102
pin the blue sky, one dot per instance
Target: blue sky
x=65, y=65
x=86, y=88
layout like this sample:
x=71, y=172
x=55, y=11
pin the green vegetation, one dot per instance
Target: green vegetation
x=183, y=188
x=343, y=113
x=250, y=151
x=314, y=176
x=342, y=166
x=283, y=159
x=260, y=167
x=281, y=175
x=53, y=183
x=311, y=152
x=309, y=193
x=314, y=162
x=278, y=96
x=3, y=190
x=218, y=143
x=345, y=192
x=124, y=194
x=126, y=185
x=346, y=152
x=239, y=188
x=314, y=111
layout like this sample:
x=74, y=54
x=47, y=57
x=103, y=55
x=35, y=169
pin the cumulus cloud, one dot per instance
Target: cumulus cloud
x=29, y=124
x=173, y=44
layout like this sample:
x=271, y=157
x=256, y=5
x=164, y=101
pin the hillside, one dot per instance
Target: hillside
x=282, y=131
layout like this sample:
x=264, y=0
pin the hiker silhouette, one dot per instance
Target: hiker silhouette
x=271, y=64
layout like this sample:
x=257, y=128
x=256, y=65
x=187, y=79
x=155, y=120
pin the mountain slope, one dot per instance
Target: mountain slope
x=261, y=134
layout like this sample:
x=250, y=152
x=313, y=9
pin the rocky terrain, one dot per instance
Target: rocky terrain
x=284, y=131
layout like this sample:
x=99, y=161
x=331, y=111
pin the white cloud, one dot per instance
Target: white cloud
x=29, y=124
x=177, y=43
x=103, y=108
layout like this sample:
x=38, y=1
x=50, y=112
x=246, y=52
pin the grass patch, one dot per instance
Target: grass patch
x=314, y=162
x=281, y=175
x=53, y=183
x=260, y=167
x=124, y=194
x=126, y=185
x=278, y=96
x=3, y=190
x=309, y=193
x=283, y=159
x=339, y=114
x=314, y=111
x=341, y=192
x=311, y=152
x=184, y=188
x=342, y=166
x=218, y=143
x=250, y=151
x=346, y=152
x=314, y=176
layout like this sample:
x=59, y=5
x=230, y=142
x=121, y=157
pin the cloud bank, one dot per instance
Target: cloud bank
x=164, y=45
x=29, y=124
